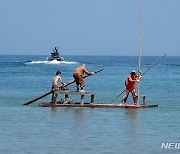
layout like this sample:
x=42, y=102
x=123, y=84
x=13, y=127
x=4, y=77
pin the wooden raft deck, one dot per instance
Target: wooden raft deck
x=82, y=95
x=94, y=105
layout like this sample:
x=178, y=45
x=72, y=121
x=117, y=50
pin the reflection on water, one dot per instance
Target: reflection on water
x=79, y=115
x=79, y=130
x=132, y=117
x=132, y=113
x=74, y=126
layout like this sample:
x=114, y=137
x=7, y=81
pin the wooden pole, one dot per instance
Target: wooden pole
x=140, y=46
x=117, y=96
x=66, y=84
x=141, y=75
x=157, y=61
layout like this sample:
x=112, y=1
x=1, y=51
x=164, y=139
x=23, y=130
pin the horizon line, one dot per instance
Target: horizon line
x=81, y=55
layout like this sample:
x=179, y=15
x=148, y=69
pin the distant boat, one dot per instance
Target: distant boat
x=55, y=55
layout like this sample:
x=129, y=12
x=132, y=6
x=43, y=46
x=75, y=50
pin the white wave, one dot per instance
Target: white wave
x=69, y=62
x=51, y=62
x=36, y=62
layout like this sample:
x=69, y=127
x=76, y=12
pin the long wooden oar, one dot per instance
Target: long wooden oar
x=66, y=84
x=118, y=96
x=157, y=61
x=141, y=75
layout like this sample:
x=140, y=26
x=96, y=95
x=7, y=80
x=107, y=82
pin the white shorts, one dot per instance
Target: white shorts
x=133, y=92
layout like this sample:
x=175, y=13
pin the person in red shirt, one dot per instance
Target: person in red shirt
x=130, y=87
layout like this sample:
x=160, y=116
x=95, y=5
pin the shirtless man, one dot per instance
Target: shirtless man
x=78, y=76
x=55, y=86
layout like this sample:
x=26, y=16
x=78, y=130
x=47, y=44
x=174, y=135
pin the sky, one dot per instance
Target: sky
x=89, y=27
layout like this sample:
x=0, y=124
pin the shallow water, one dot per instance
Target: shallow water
x=31, y=129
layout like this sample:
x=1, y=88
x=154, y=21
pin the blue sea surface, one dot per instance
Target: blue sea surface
x=33, y=129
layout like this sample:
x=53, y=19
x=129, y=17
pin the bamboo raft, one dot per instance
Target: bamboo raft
x=96, y=105
x=91, y=104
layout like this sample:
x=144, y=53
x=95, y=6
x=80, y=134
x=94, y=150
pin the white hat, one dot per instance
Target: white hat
x=133, y=71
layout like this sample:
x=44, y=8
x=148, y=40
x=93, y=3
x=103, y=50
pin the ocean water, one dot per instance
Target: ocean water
x=32, y=129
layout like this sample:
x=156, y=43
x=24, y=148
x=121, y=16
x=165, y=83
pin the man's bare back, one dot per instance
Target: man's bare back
x=81, y=70
x=56, y=79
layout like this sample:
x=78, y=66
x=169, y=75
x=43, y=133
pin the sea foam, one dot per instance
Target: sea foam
x=51, y=62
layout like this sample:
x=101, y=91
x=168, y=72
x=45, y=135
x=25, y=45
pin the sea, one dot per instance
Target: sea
x=36, y=130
